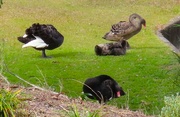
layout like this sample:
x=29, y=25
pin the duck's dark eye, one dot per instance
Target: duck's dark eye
x=134, y=17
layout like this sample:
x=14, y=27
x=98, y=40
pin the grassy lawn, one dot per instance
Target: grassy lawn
x=145, y=72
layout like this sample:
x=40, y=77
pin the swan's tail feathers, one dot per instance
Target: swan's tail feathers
x=37, y=43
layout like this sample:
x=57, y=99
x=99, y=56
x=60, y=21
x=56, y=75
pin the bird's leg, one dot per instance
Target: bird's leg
x=127, y=45
x=44, y=53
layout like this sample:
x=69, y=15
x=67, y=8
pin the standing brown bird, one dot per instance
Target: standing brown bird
x=125, y=30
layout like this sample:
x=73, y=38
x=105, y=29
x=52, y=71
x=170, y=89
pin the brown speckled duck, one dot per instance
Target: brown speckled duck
x=125, y=30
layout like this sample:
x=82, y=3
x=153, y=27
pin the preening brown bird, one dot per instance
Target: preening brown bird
x=115, y=48
x=125, y=30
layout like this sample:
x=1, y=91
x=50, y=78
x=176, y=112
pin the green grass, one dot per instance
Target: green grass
x=145, y=72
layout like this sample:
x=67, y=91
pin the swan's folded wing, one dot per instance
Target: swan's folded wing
x=37, y=43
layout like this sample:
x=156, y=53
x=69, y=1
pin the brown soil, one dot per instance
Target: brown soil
x=41, y=103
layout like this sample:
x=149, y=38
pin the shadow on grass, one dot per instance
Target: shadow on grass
x=147, y=47
x=67, y=54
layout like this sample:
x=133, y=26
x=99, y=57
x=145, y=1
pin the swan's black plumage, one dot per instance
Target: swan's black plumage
x=51, y=38
x=102, y=88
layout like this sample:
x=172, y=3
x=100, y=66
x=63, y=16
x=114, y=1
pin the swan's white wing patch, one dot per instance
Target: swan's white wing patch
x=37, y=43
x=43, y=45
x=25, y=35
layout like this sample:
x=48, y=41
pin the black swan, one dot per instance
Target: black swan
x=102, y=88
x=42, y=37
x=125, y=30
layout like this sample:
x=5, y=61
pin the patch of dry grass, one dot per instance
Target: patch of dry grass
x=38, y=103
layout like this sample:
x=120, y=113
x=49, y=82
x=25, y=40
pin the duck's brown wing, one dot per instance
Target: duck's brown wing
x=119, y=31
x=122, y=28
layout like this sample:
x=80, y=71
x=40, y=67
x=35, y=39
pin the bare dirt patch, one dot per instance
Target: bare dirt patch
x=43, y=103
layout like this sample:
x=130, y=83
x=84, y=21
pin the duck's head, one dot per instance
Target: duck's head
x=137, y=20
